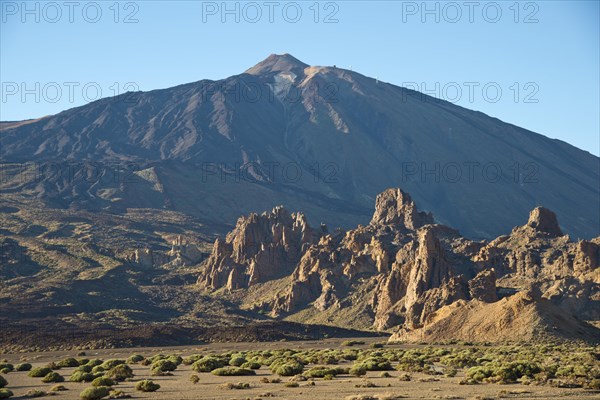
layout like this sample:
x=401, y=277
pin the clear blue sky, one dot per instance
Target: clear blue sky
x=550, y=49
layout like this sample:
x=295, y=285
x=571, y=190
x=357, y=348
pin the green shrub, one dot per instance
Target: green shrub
x=478, y=373
x=7, y=366
x=239, y=385
x=86, y=368
x=194, y=379
x=177, y=360
x=120, y=372
x=5, y=393
x=237, y=360
x=512, y=371
x=232, y=371
x=291, y=384
x=94, y=362
x=103, y=381
x=287, y=367
x=358, y=370
x=352, y=342
x=3, y=382
x=376, y=364
x=68, y=363
x=23, y=367
x=192, y=359
x=80, y=376
x=208, y=364
x=110, y=364
x=58, y=388
x=97, y=369
x=321, y=372
x=163, y=366
x=460, y=360
x=147, y=386
x=53, y=377
x=251, y=365
x=39, y=372
x=136, y=358
x=95, y=393
x=83, y=361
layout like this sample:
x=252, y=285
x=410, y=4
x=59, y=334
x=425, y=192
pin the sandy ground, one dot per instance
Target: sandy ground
x=179, y=387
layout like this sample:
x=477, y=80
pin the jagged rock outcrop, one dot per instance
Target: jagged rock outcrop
x=543, y=220
x=483, y=286
x=399, y=271
x=182, y=253
x=395, y=207
x=260, y=248
x=538, y=250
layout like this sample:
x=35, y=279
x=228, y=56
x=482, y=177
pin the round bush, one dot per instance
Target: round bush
x=237, y=360
x=287, y=368
x=95, y=393
x=5, y=393
x=97, y=369
x=103, y=381
x=80, y=376
x=68, y=362
x=94, y=362
x=39, y=372
x=53, y=377
x=136, y=358
x=3, y=382
x=7, y=366
x=233, y=371
x=177, y=360
x=207, y=364
x=109, y=364
x=358, y=370
x=23, y=367
x=251, y=365
x=120, y=372
x=321, y=372
x=163, y=366
x=147, y=386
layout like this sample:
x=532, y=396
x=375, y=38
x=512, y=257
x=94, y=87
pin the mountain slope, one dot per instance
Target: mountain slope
x=320, y=139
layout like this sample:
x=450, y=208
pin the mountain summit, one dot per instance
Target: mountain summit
x=322, y=140
x=277, y=63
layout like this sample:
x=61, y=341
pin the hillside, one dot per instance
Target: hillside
x=319, y=139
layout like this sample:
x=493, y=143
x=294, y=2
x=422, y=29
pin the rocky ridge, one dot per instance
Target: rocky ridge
x=401, y=269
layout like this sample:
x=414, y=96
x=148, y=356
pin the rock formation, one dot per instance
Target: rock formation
x=181, y=254
x=399, y=271
x=260, y=248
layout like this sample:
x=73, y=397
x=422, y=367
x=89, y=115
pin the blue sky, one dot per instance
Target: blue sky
x=533, y=64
